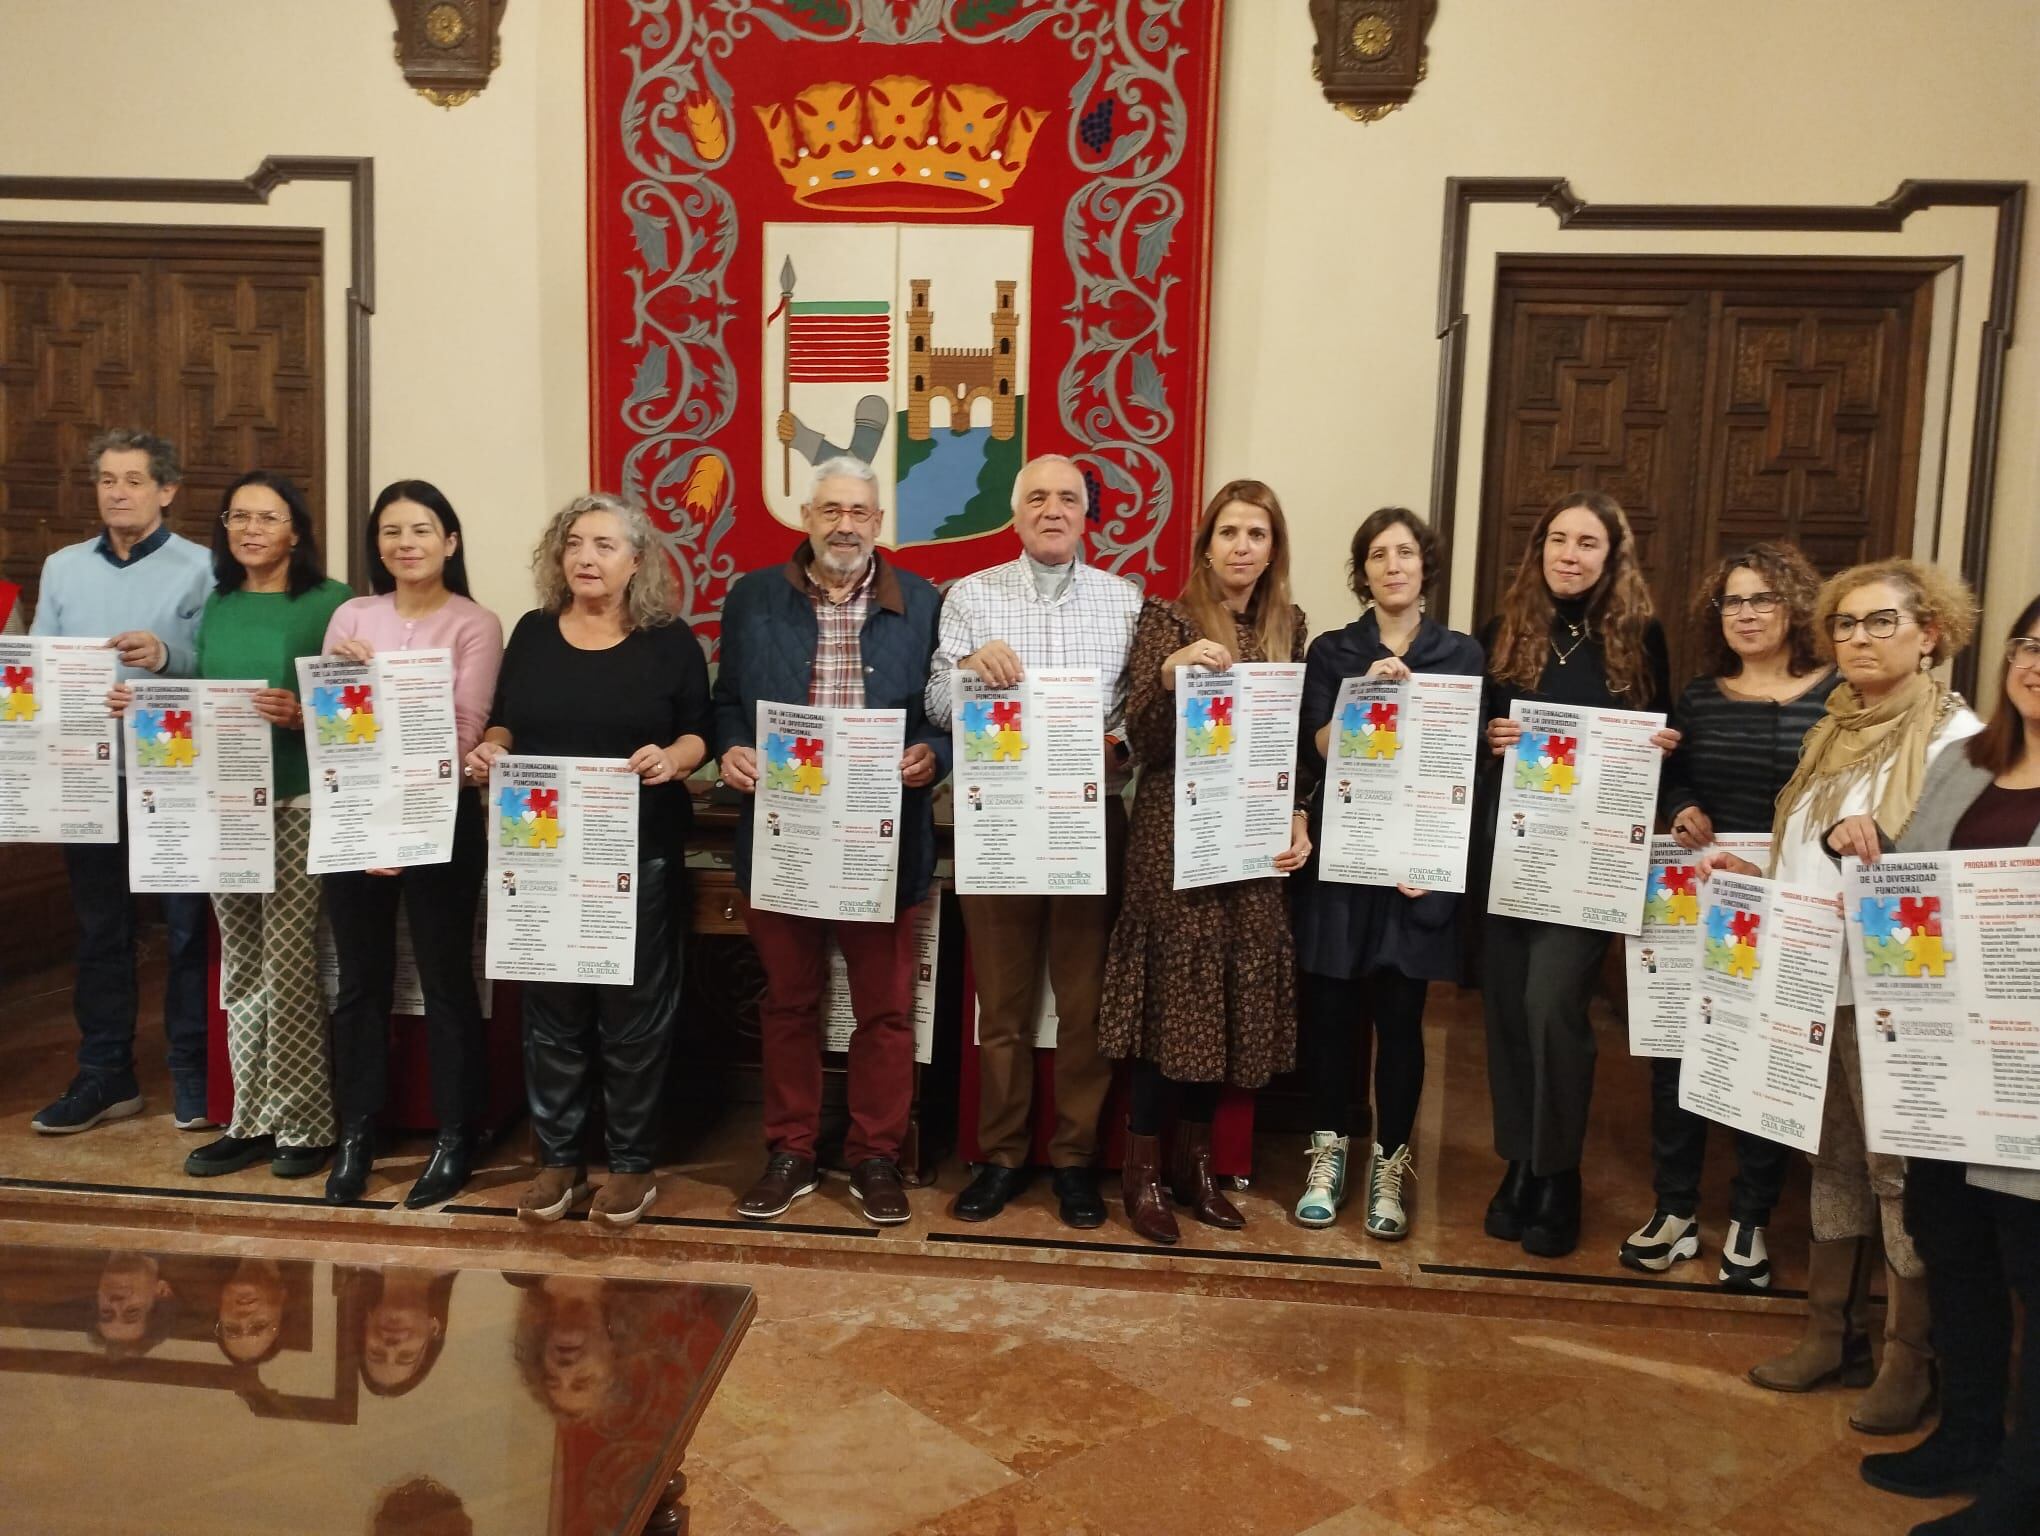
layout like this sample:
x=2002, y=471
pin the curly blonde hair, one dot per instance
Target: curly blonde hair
x=649, y=599
x=1931, y=594
x=1619, y=608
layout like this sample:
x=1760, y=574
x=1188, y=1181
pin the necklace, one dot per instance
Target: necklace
x=1581, y=632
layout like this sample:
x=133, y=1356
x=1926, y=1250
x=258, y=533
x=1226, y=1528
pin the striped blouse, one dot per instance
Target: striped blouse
x=1736, y=753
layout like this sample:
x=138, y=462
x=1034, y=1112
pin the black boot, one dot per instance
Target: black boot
x=352, y=1160
x=1948, y=1461
x=1511, y=1204
x=1551, y=1229
x=453, y=1156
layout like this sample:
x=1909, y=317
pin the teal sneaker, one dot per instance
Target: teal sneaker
x=1386, y=1217
x=1324, y=1187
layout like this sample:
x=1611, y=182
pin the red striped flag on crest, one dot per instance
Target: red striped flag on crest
x=839, y=343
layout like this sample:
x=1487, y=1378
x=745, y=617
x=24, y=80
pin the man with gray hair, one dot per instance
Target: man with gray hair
x=838, y=626
x=1045, y=609
x=145, y=587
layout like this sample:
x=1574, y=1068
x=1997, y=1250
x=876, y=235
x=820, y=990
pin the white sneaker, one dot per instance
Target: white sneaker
x=1745, y=1260
x=1386, y=1218
x=1661, y=1242
x=1324, y=1186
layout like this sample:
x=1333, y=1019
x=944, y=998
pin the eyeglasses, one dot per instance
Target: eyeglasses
x=2022, y=653
x=1763, y=604
x=262, y=520
x=856, y=514
x=1881, y=625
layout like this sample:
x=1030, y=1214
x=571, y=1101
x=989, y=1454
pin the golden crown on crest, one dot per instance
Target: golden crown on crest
x=900, y=145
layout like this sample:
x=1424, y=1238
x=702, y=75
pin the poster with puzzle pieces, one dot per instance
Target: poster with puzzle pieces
x=1762, y=1007
x=1235, y=770
x=1572, y=826
x=825, y=829
x=199, y=788
x=59, y=778
x=1030, y=784
x=1398, y=790
x=1943, y=954
x=1661, y=962
x=381, y=742
x=563, y=858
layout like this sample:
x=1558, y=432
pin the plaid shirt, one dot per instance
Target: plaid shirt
x=1089, y=624
x=838, y=681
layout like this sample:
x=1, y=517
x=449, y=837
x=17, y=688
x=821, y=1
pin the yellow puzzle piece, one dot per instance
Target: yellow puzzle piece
x=20, y=706
x=178, y=752
x=1682, y=907
x=1926, y=952
x=1221, y=738
x=808, y=780
x=361, y=727
x=1381, y=743
x=1742, y=960
x=1559, y=778
x=545, y=832
x=1006, y=747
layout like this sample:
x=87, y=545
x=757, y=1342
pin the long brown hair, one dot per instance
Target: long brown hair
x=1789, y=574
x=1269, y=610
x=2001, y=745
x=1618, y=607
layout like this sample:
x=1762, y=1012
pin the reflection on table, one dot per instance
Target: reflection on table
x=222, y=1393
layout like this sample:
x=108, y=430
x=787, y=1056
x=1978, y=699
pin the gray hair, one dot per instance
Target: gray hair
x=1047, y=458
x=163, y=466
x=649, y=600
x=843, y=466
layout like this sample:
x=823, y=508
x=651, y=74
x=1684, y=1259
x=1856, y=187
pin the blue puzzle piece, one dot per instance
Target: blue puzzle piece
x=977, y=719
x=1717, y=925
x=1353, y=718
x=510, y=802
x=148, y=723
x=1875, y=916
x=1530, y=746
x=326, y=702
x=1196, y=714
x=778, y=748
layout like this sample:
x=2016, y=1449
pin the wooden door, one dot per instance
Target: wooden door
x=211, y=337
x=1719, y=404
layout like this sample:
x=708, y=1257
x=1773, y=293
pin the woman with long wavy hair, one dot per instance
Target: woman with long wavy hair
x=1859, y=780
x=1576, y=628
x=601, y=669
x=1200, y=985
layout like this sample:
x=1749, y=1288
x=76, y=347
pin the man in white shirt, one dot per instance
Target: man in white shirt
x=1045, y=609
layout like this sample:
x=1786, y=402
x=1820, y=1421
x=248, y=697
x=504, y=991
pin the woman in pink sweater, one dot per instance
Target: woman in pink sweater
x=421, y=602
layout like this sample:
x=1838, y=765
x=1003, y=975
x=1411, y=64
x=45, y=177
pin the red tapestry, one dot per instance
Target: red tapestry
x=941, y=235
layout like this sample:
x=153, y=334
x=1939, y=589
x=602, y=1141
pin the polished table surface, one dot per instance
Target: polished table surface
x=172, y=1393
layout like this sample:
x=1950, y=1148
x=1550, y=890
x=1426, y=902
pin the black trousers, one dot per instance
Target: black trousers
x=1981, y=1248
x=1678, y=1151
x=1347, y=1021
x=439, y=904
x=1154, y=1099
x=1541, y=1049
x=577, y=1034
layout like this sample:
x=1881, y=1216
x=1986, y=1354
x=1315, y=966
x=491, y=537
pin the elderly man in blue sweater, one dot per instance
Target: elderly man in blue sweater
x=143, y=587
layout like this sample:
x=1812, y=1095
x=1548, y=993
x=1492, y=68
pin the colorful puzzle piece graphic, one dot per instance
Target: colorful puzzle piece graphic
x=1717, y=925
x=1381, y=743
x=1875, y=917
x=977, y=719
x=1530, y=747
x=1382, y=715
x=1353, y=743
x=1352, y=718
x=1742, y=960
x=1680, y=877
x=1561, y=749
x=1657, y=909
x=361, y=727
x=1220, y=732
x=1530, y=774
x=179, y=752
x=808, y=749
x=807, y=779
x=1920, y=914
x=511, y=802
x=1196, y=714
x=1744, y=926
x=1886, y=956
x=1006, y=714
x=1221, y=708
x=17, y=693
x=1718, y=955
x=543, y=802
x=1559, y=778
x=1684, y=908
x=1928, y=953
x=545, y=832
x=1006, y=747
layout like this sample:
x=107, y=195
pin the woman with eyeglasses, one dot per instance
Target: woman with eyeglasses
x=1977, y=1228
x=418, y=568
x=1858, y=783
x=271, y=603
x=1762, y=686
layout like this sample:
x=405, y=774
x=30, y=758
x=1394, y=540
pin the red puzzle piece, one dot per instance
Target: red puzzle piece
x=21, y=679
x=1560, y=749
x=1679, y=878
x=1006, y=714
x=1221, y=708
x=356, y=697
x=543, y=802
x=1382, y=714
x=177, y=722
x=1744, y=926
x=807, y=749
x=1921, y=914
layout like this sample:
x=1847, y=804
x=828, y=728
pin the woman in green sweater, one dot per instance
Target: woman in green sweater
x=270, y=605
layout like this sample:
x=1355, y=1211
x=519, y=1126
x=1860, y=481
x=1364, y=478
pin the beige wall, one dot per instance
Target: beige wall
x=1324, y=355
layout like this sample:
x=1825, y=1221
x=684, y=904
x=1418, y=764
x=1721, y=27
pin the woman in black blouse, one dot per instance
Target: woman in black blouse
x=1761, y=688
x=1575, y=627
x=600, y=669
x=1369, y=952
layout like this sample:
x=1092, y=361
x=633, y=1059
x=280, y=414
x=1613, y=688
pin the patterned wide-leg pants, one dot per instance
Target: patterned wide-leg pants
x=277, y=1034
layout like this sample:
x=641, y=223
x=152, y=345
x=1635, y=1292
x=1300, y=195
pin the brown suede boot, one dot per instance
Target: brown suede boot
x=1140, y=1181
x=1833, y=1348
x=1190, y=1179
x=1898, y=1399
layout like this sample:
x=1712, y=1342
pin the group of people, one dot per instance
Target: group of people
x=1817, y=718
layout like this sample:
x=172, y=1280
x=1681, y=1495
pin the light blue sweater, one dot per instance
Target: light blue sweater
x=85, y=594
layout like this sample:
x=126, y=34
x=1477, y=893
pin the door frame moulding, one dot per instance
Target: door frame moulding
x=1574, y=213
x=357, y=172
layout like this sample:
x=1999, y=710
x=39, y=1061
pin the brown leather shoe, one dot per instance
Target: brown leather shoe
x=876, y=1184
x=552, y=1194
x=1140, y=1182
x=1190, y=1178
x=622, y=1198
x=787, y=1177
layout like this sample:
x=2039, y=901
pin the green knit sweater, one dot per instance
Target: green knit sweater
x=247, y=635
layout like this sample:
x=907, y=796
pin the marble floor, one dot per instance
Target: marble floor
x=935, y=1379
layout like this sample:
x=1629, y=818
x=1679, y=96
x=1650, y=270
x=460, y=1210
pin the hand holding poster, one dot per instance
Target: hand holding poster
x=1757, y=1029
x=199, y=772
x=825, y=828
x=1663, y=961
x=1398, y=793
x=1235, y=768
x=1572, y=830
x=380, y=739
x=59, y=782
x=562, y=866
x=1947, y=986
x=1030, y=784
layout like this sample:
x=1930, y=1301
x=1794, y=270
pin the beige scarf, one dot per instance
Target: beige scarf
x=1858, y=740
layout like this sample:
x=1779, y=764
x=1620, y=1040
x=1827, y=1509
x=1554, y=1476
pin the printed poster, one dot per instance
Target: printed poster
x=1398, y=792
x=1662, y=962
x=563, y=855
x=1029, y=784
x=59, y=778
x=381, y=741
x=1235, y=770
x=825, y=828
x=199, y=787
